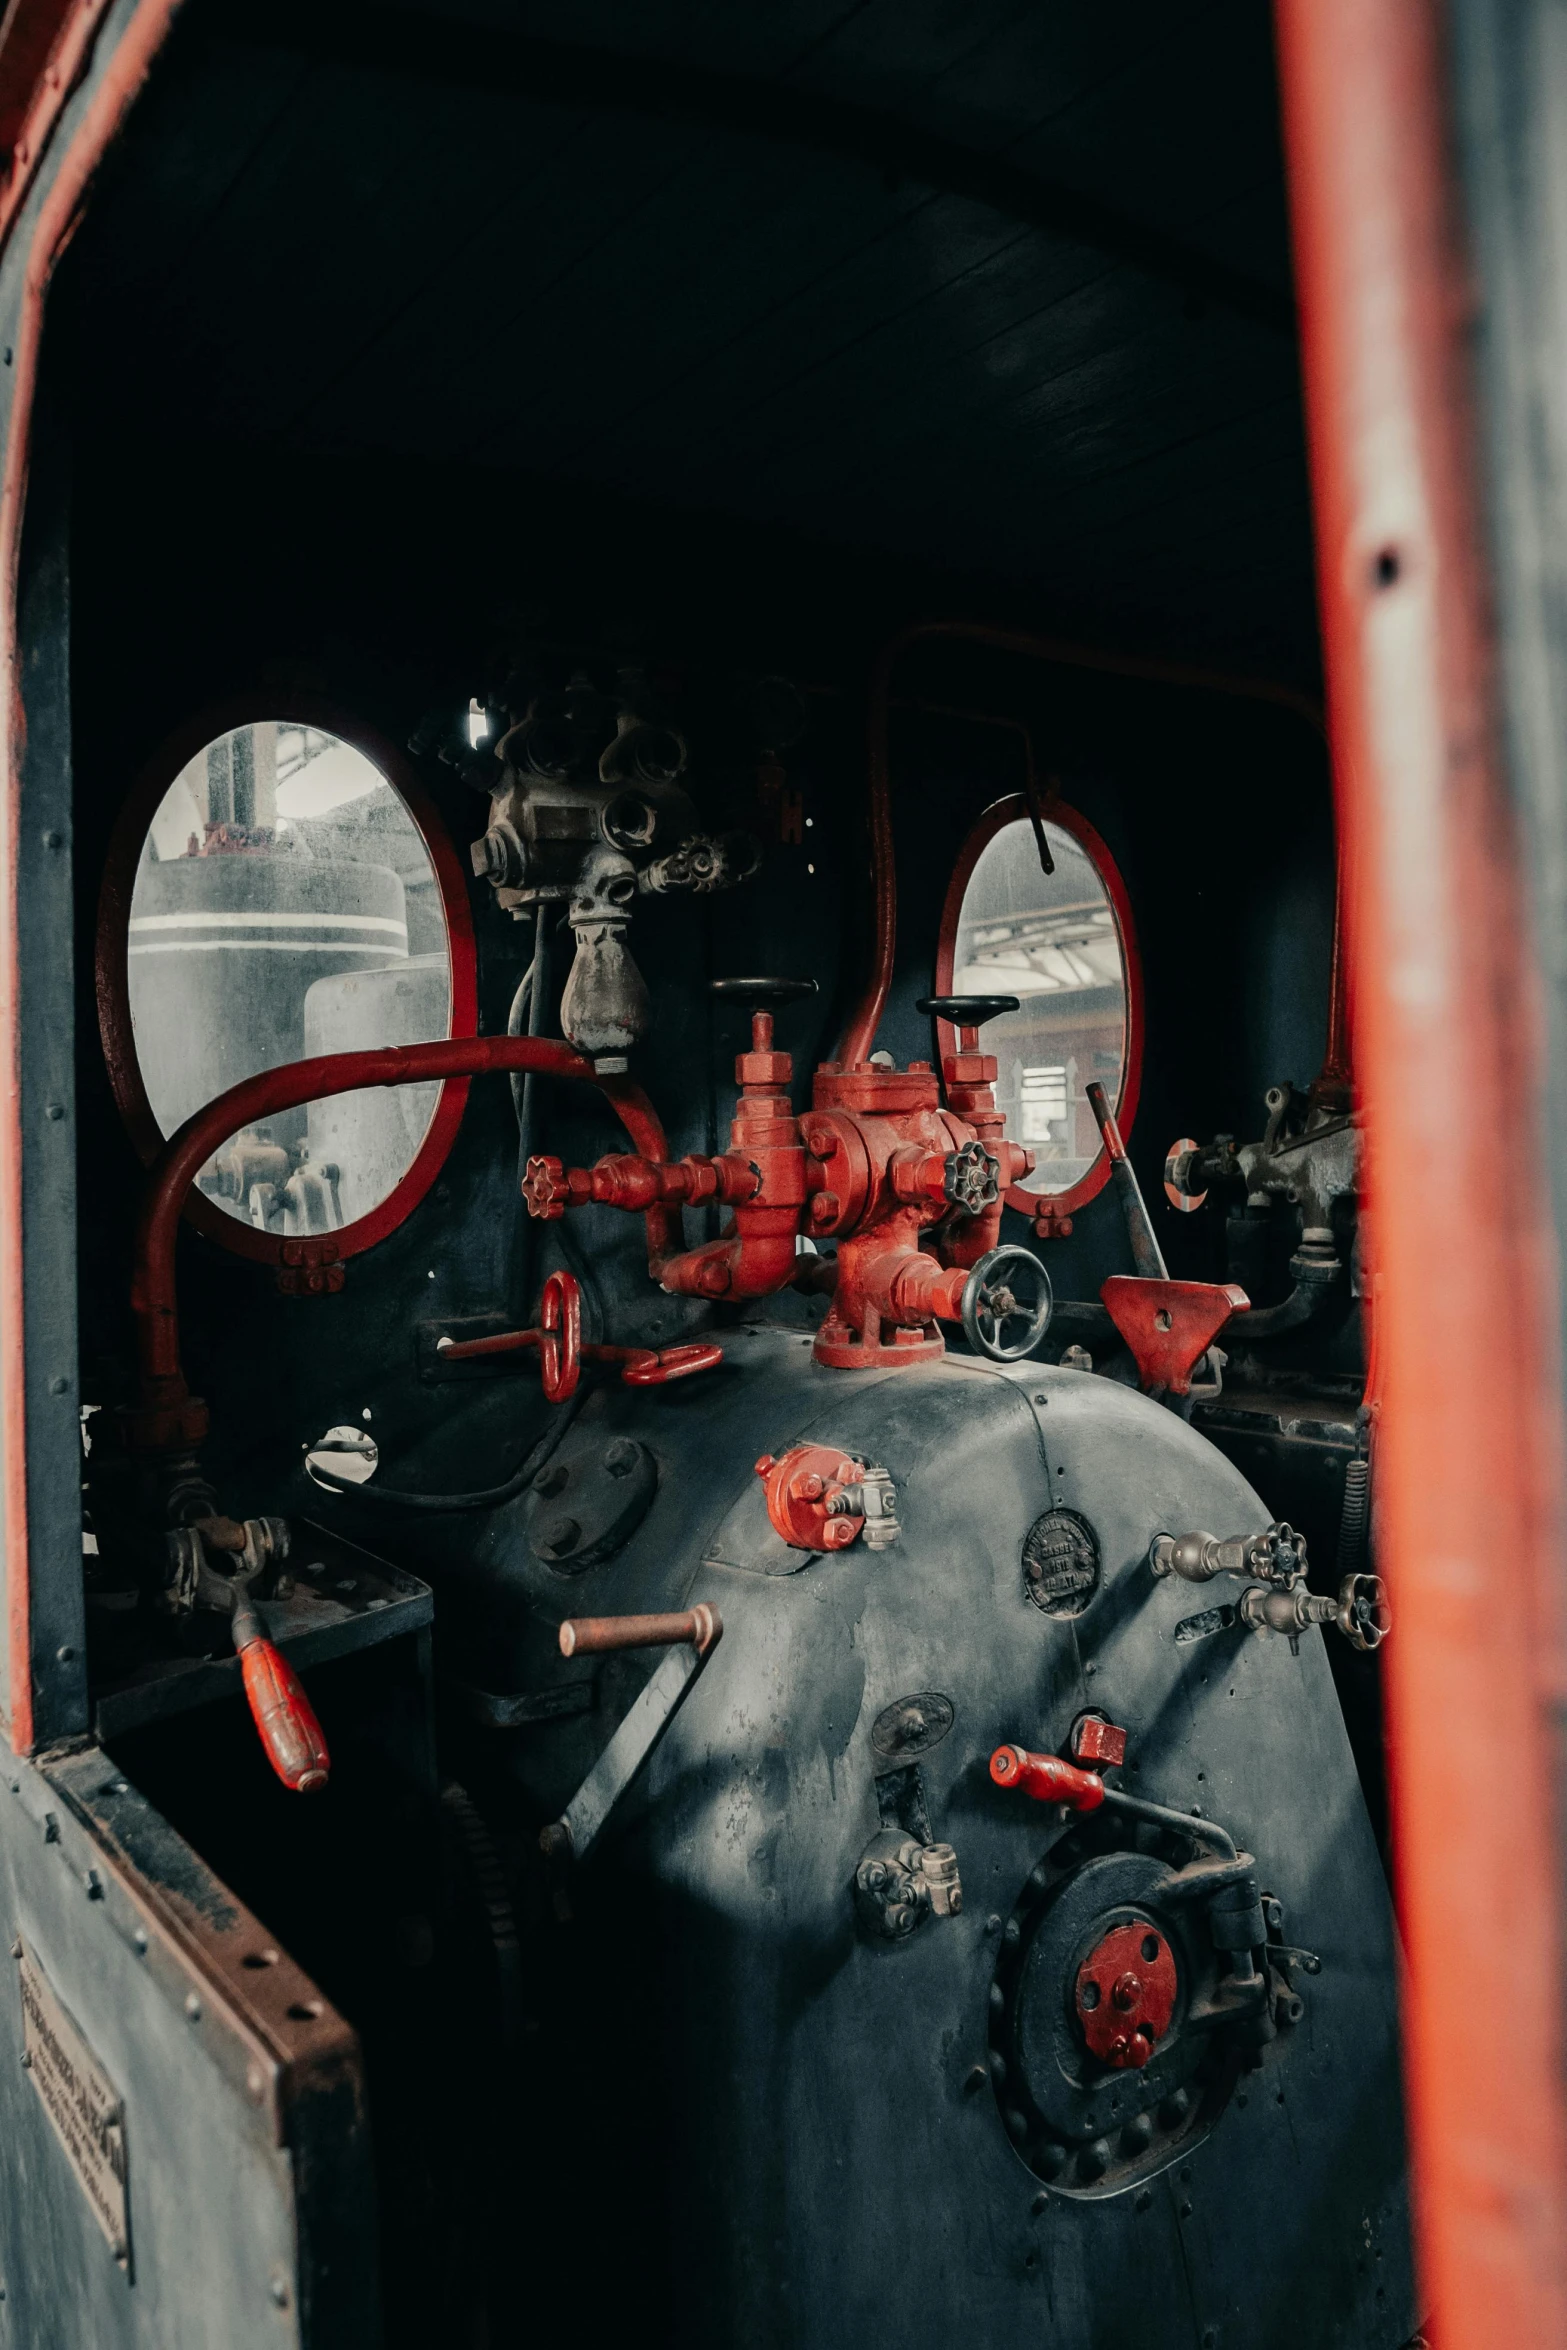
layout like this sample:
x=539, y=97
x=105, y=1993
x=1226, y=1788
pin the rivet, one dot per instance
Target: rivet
x=16, y=1948
x=278, y=2289
x=54, y=1112
x=976, y=2078
x=139, y=1941
x=193, y=2007
x=52, y=839
x=1040, y=2204
x=66, y=1654
x=255, y=2082
x=58, y=1386
x=993, y=1922
x=92, y=1884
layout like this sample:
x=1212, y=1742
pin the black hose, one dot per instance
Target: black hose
x=1314, y=1287
x=491, y=1498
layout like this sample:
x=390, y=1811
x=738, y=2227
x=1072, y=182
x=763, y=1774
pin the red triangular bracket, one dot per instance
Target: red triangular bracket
x=1170, y=1325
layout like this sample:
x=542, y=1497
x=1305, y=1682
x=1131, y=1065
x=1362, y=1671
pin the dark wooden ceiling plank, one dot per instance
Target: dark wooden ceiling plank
x=399, y=38
x=608, y=308
x=185, y=157
x=736, y=363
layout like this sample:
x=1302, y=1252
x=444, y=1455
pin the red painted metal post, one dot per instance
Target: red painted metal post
x=118, y=84
x=1447, y=1049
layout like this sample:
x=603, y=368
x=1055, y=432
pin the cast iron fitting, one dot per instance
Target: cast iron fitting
x=1266, y=1608
x=1278, y=1554
x=971, y=1178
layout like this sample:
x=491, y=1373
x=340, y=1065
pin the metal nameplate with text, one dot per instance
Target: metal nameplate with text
x=81, y=2101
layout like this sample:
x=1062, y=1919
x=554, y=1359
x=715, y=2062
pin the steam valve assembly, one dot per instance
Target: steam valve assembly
x=911, y=1194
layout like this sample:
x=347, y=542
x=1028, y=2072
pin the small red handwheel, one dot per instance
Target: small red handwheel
x=560, y=1336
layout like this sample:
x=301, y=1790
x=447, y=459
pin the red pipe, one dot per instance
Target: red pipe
x=153, y=1295
x=860, y=1034
x=1471, y=1520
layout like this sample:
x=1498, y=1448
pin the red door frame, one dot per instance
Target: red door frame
x=1470, y=1485
x=45, y=206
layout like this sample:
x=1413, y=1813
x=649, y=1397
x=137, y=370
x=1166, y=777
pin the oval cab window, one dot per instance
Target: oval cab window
x=285, y=902
x=1061, y=942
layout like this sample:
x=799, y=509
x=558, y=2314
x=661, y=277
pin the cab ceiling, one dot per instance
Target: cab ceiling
x=1002, y=287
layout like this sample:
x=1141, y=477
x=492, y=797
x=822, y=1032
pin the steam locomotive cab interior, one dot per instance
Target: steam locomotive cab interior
x=693, y=1202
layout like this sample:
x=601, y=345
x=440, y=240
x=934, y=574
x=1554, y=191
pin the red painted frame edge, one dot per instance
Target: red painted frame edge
x=113, y=939
x=1070, y=820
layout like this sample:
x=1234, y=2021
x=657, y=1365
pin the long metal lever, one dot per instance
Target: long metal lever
x=1147, y=1255
x=691, y=1639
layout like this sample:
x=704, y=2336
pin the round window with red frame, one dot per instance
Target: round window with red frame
x=274, y=894
x=1053, y=929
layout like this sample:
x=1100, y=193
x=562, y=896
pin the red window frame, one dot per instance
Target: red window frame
x=113, y=969
x=1069, y=820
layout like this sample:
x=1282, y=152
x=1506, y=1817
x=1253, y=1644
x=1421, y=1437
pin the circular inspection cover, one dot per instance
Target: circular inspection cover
x=1061, y=1563
x=911, y=1726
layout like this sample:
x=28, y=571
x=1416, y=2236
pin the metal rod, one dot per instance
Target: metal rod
x=699, y=1628
x=1147, y=1255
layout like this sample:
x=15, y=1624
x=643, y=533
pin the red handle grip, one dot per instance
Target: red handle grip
x=1047, y=1778
x=284, y=1717
x=560, y=1336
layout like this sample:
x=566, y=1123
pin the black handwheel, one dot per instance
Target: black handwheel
x=1364, y=1617
x=759, y=993
x=1009, y=1286
x=967, y=1011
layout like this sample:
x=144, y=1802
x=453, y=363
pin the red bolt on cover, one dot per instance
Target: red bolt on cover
x=1126, y=1994
x=1095, y=1740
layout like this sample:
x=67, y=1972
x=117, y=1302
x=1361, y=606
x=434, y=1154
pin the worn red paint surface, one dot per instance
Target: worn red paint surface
x=1470, y=1491
x=50, y=232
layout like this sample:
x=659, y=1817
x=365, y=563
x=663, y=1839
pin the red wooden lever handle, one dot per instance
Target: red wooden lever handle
x=284, y=1716
x=1047, y=1778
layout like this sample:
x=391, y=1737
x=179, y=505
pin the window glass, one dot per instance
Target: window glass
x=1052, y=940
x=285, y=905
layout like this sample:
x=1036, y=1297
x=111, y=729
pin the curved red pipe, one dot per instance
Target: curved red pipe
x=153, y=1296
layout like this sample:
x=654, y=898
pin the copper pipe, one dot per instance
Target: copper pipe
x=860, y=1034
x=698, y=1628
x=1471, y=1510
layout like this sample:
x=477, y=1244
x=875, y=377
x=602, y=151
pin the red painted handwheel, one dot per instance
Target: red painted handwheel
x=560, y=1336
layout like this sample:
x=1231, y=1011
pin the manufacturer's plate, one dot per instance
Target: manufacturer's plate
x=81, y=2101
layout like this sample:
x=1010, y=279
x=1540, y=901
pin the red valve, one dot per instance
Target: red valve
x=284, y=1717
x=811, y=1493
x=1047, y=1778
x=560, y=1336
